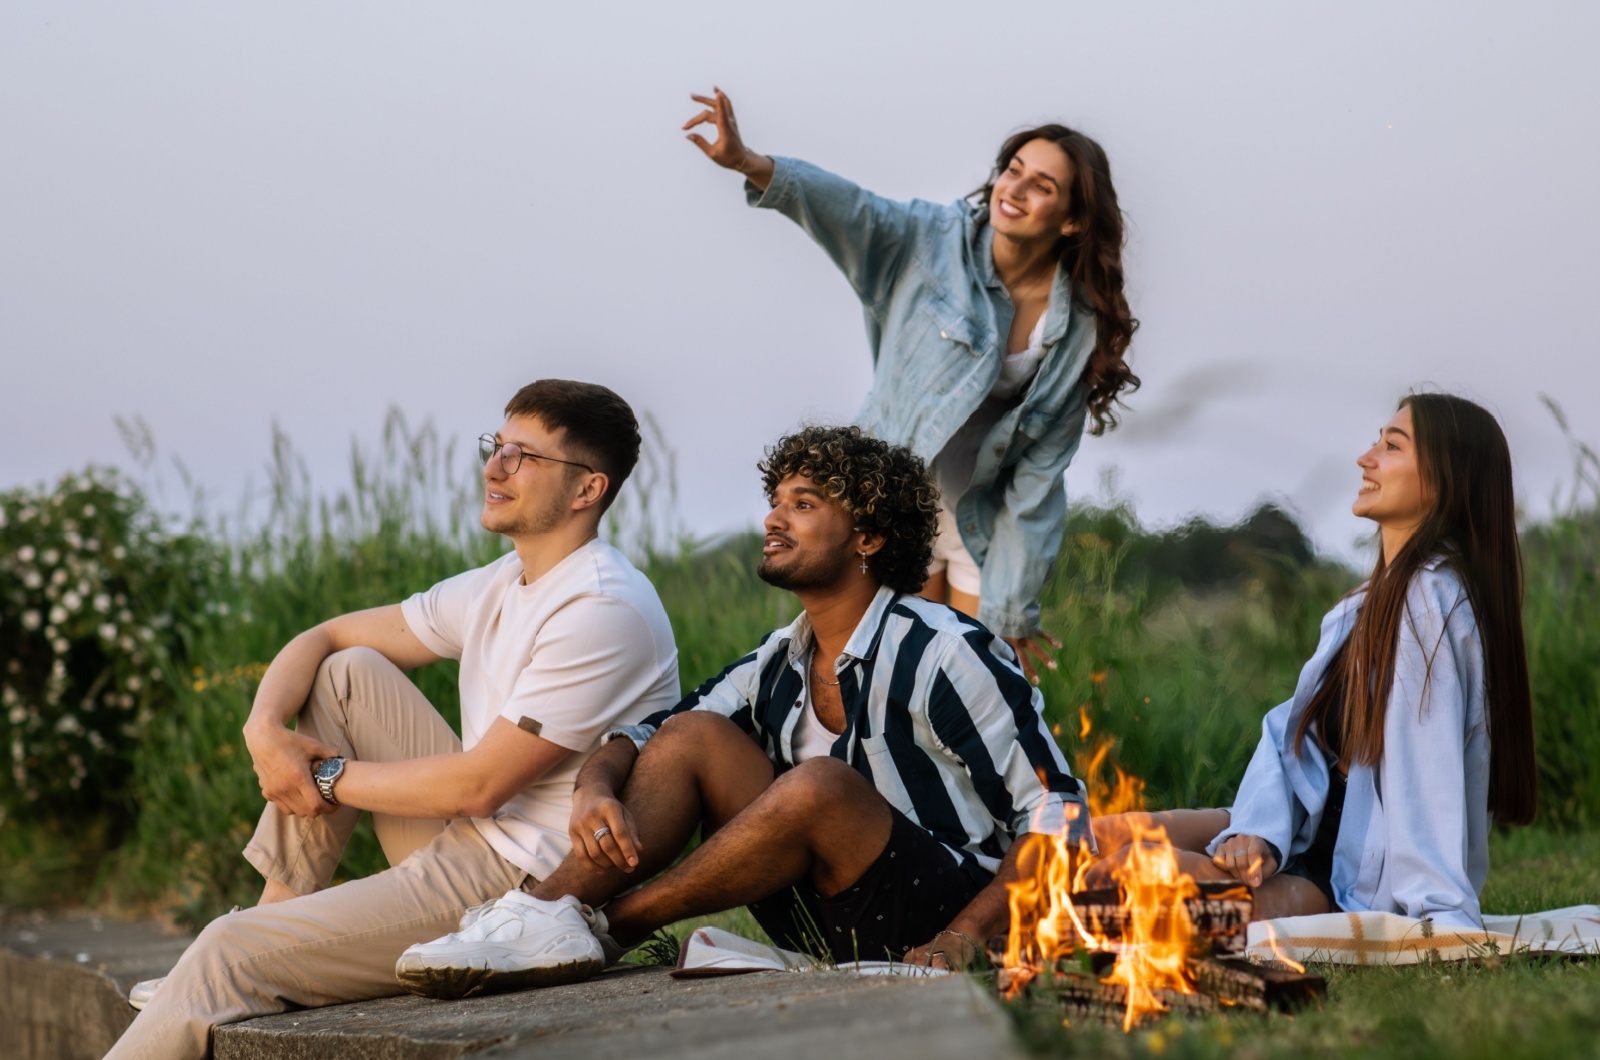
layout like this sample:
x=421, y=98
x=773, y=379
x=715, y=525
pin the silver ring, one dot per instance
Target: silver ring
x=601, y=832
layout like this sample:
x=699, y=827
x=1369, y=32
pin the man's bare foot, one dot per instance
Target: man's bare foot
x=276, y=892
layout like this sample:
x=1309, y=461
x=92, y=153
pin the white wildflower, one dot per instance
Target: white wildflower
x=68, y=725
x=108, y=632
x=57, y=576
x=51, y=557
x=30, y=620
x=18, y=715
x=71, y=601
x=102, y=603
x=119, y=552
x=25, y=554
x=32, y=579
x=61, y=646
x=88, y=511
x=134, y=684
x=58, y=615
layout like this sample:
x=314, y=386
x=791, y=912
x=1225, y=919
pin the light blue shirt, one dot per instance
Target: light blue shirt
x=1414, y=838
x=925, y=276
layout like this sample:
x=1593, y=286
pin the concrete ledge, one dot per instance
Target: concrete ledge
x=64, y=983
x=63, y=996
x=631, y=1012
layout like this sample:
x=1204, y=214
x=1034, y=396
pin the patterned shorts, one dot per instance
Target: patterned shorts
x=910, y=893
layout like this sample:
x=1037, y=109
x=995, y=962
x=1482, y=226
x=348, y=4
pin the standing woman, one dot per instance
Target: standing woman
x=997, y=327
x=1411, y=730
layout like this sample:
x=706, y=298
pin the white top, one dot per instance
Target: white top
x=585, y=648
x=1018, y=369
x=952, y=468
x=811, y=738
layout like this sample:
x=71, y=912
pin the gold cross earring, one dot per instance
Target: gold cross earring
x=863, y=563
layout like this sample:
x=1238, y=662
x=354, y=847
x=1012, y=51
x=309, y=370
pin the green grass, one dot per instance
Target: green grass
x=1176, y=643
x=1531, y=1006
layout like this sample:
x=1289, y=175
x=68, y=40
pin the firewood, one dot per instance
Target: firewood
x=1220, y=915
x=1259, y=987
x=1217, y=985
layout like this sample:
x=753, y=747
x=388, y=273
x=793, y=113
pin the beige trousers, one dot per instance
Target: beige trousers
x=338, y=944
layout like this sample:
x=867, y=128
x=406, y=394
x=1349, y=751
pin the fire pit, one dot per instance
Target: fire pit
x=1159, y=942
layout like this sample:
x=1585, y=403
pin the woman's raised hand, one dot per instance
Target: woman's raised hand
x=728, y=150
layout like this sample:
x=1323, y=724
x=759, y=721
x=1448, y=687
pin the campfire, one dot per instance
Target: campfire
x=1159, y=941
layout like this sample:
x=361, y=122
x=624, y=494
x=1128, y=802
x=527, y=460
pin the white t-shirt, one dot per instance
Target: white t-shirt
x=585, y=648
x=812, y=739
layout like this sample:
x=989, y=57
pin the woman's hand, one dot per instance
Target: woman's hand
x=1245, y=857
x=729, y=150
x=283, y=760
x=1029, y=650
x=603, y=830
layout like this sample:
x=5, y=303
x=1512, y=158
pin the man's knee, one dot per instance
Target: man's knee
x=702, y=733
x=344, y=668
x=820, y=784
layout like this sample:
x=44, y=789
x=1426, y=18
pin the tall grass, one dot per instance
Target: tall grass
x=1175, y=679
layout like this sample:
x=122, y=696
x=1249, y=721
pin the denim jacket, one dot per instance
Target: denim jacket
x=1414, y=838
x=922, y=272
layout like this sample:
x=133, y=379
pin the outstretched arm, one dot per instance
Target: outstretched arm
x=865, y=234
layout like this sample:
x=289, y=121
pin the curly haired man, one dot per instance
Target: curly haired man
x=861, y=776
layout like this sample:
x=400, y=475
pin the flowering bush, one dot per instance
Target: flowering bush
x=93, y=592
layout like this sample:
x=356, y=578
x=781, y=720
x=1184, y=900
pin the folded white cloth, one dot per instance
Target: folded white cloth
x=713, y=951
x=1387, y=938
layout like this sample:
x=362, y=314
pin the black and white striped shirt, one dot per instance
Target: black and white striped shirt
x=938, y=717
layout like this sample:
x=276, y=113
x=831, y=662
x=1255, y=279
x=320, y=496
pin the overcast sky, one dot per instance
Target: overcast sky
x=217, y=216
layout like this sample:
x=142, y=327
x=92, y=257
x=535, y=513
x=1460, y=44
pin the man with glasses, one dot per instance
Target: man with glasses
x=559, y=641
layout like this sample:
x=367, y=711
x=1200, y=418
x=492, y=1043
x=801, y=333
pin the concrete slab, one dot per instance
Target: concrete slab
x=63, y=996
x=637, y=1012
x=64, y=982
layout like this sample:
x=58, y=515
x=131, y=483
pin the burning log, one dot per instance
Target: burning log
x=1219, y=985
x=1219, y=915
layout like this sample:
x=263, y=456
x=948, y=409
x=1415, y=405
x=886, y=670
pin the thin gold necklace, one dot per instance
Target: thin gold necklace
x=818, y=673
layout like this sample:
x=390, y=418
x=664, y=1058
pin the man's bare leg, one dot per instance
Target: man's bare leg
x=821, y=822
x=699, y=769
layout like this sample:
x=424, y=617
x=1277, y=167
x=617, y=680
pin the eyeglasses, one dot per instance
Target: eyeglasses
x=512, y=454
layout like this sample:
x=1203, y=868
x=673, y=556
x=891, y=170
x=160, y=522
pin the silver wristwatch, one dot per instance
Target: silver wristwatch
x=325, y=773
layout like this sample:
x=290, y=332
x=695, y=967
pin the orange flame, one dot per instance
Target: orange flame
x=1157, y=934
x=1124, y=793
x=1277, y=952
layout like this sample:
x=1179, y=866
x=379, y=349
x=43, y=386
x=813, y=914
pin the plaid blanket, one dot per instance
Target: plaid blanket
x=1387, y=938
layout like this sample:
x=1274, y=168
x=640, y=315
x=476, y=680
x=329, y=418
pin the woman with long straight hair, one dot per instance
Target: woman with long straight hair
x=1411, y=728
x=998, y=327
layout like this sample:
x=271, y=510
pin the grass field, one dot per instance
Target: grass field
x=1176, y=643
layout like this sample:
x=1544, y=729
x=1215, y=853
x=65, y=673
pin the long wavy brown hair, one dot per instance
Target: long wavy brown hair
x=1092, y=257
x=1465, y=466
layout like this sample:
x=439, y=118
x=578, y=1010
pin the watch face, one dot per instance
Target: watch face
x=329, y=768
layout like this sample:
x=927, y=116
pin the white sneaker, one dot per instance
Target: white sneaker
x=515, y=942
x=141, y=993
